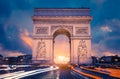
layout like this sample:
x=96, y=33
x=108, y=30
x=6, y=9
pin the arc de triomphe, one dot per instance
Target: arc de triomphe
x=72, y=22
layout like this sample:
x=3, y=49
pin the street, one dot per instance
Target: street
x=70, y=74
x=57, y=74
x=62, y=72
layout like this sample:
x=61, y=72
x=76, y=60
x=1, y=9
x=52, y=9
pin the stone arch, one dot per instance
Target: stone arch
x=67, y=28
x=61, y=31
x=72, y=22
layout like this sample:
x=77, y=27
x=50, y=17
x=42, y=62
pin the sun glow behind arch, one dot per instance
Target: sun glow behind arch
x=62, y=60
x=61, y=50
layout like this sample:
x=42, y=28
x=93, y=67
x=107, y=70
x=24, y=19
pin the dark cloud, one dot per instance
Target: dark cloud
x=22, y=4
x=10, y=39
x=112, y=44
x=2, y=34
x=16, y=15
x=107, y=36
x=5, y=8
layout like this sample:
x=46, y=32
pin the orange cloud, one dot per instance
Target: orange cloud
x=109, y=54
x=7, y=53
x=26, y=39
x=12, y=54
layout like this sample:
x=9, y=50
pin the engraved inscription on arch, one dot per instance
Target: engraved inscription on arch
x=81, y=30
x=42, y=30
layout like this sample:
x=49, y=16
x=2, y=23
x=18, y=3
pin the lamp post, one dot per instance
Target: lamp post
x=78, y=59
x=79, y=55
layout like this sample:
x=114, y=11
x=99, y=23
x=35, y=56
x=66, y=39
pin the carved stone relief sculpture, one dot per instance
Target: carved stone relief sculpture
x=41, y=50
x=82, y=49
x=81, y=30
x=42, y=30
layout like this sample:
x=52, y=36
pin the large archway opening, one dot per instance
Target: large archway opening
x=61, y=46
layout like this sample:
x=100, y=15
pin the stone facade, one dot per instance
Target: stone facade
x=75, y=23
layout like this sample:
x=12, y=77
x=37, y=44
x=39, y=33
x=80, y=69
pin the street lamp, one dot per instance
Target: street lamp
x=79, y=54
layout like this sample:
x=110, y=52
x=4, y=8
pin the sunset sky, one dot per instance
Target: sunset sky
x=16, y=25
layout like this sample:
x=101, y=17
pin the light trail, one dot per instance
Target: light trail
x=33, y=73
x=29, y=73
x=96, y=70
x=86, y=74
x=10, y=74
x=84, y=77
x=109, y=71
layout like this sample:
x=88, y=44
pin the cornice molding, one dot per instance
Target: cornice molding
x=61, y=17
x=61, y=21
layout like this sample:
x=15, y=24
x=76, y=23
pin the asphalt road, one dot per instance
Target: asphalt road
x=57, y=74
x=67, y=74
